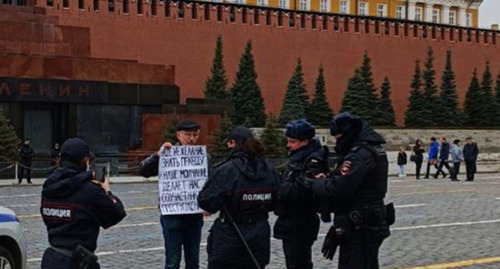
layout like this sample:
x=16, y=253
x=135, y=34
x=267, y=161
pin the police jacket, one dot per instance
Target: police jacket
x=444, y=153
x=470, y=152
x=247, y=190
x=297, y=218
x=359, y=182
x=74, y=208
x=26, y=154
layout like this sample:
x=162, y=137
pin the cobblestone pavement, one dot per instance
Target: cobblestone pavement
x=438, y=221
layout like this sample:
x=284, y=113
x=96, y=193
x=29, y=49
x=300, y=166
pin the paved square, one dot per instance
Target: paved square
x=438, y=222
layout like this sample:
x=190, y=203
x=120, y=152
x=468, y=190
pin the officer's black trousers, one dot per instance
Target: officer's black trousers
x=298, y=254
x=359, y=255
x=20, y=173
x=53, y=259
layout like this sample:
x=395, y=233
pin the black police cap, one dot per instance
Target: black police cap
x=187, y=125
x=239, y=134
x=74, y=150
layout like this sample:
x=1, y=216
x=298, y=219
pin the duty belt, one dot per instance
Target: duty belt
x=64, y=251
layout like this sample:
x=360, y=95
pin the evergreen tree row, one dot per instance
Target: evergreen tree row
x=362, y=98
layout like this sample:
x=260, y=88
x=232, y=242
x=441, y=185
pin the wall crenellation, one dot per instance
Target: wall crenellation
x=278, y=18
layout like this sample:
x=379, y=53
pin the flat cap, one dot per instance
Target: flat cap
x=187, y=125
x=300, y=129
x=240, y=134
x=74, y=150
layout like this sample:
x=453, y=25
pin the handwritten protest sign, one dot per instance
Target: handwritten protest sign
x=182, y=172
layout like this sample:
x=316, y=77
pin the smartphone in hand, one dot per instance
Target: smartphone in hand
x=100, y=172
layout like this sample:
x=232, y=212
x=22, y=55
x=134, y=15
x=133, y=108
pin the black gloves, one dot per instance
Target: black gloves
x=330, y=244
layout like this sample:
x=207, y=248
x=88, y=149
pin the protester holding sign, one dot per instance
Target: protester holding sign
x=243, y=188
x=182, y=170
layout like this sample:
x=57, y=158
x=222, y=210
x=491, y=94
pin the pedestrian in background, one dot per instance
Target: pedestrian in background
x=179, y=231
x=54, y=155
x=244, y=189
x=457, y=157
x=26, y=154
x=432, y=156
x=418, y=151
x=444, y=155
x=402, y=161
x=471, y=151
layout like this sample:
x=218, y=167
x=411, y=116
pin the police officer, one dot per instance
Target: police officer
x=243, y=188
x=26, y=154
x=74, y=207
x=356, y=189
x=298, y=224
x=179, y=231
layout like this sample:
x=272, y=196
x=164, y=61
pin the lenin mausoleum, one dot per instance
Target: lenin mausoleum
x=96, y=68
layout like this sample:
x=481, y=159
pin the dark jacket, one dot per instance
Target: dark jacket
x=419, y=153
x=247, y=189
x=359, y=183
x=297, y=218
x=402, y=158
x=26, y=154
x=444, y=153
x=470, y=152
x=74, y=207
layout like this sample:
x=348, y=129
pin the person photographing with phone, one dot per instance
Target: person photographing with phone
x=74, y=206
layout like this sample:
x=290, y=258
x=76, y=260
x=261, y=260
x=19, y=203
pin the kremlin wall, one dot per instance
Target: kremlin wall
x=184, y=35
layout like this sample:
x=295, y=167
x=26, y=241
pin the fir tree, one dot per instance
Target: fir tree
x=355, y=98
x=450, y=114
x=320, y=112
x=216, y=84
x=247, y=98
x=218, y=148
x=414, y=115
x=472, y=104
x=488, y=104
x=170, y=132
x=9, y=142
x=431, y=107
x=497, y=118
x=273, y=138
x=371, y=90
x=386, y=111
x=296, y=102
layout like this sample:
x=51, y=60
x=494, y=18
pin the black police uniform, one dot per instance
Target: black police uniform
x=298, y=224
x=26, y=155
x=356, y=191
x=247, y=189
x=73, y=208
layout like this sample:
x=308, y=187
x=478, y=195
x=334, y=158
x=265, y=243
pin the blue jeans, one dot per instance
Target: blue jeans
x=178, y=232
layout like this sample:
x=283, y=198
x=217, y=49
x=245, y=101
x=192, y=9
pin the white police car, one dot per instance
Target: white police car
x=13, y=244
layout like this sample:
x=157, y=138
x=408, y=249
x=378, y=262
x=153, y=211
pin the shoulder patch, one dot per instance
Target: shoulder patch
x=345, y=168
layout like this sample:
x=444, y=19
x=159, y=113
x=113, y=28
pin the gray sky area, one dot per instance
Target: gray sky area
x=489, y=13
